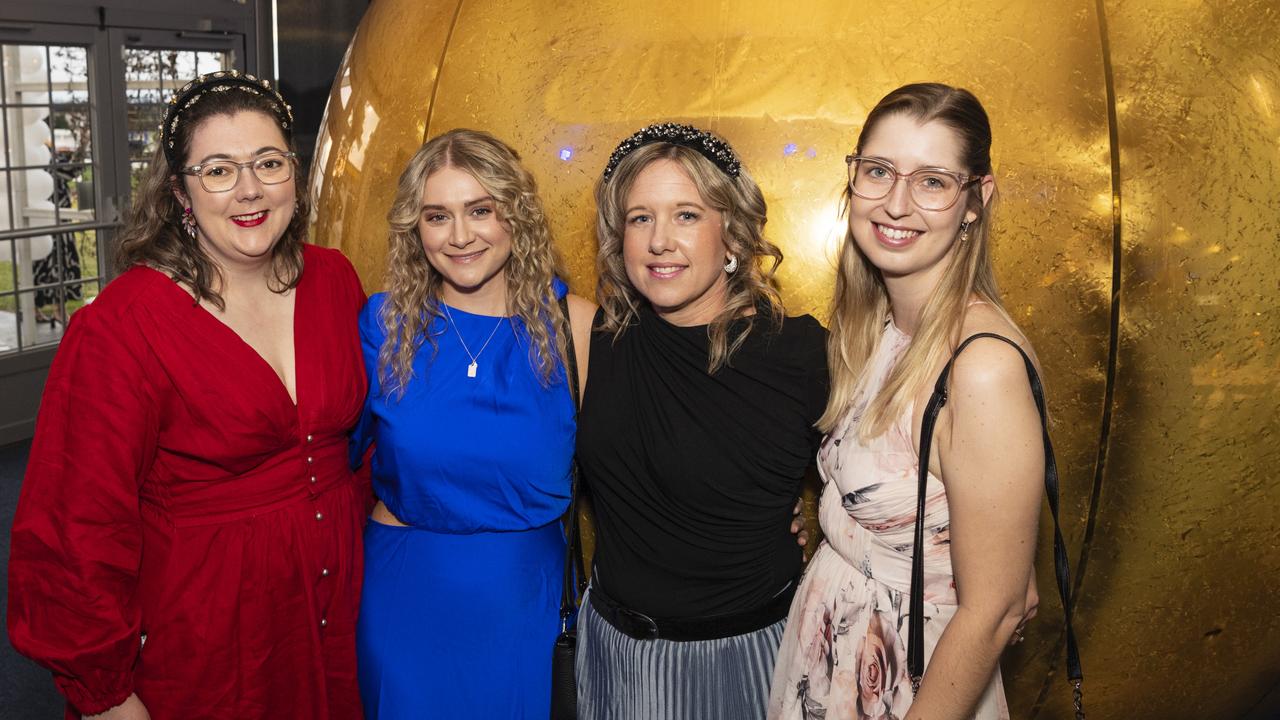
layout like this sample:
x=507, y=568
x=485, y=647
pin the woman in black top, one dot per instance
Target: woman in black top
x=696, y=430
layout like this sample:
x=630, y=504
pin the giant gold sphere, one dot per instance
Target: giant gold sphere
x=1136, y=150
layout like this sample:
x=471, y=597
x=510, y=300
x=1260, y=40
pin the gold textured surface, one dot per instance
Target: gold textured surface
x=1176, y=616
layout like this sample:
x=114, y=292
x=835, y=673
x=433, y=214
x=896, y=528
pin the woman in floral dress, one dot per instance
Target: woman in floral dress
x=914, y=280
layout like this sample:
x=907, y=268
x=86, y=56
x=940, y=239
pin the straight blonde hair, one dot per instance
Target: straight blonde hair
x=860, y=306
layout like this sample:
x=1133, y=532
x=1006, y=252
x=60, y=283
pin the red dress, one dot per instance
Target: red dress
x=184, y=531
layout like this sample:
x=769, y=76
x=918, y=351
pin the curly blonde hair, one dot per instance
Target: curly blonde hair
x=153, y=234
x=413, y=285
x=752, y=287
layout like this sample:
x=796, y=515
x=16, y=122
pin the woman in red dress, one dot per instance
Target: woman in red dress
x=187, y=542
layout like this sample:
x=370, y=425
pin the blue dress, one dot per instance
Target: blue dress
x=460, y=609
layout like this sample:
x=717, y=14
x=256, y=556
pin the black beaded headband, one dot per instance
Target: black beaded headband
x=707, y=145
x=221, y=81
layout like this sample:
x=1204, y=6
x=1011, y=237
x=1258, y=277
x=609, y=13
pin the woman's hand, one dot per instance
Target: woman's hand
x=131, y=709
x=797, y=524
x=1032, y=604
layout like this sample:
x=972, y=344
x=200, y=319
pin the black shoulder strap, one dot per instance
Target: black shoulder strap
x=573, y=563
x=915, y=639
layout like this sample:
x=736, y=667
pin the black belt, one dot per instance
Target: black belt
x=710, y=627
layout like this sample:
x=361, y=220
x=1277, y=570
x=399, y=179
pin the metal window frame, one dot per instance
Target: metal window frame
x=49, y=36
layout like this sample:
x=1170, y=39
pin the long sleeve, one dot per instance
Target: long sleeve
x=77, y=534
x=371, y=336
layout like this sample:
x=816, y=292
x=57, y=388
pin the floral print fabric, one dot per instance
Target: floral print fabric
x=844, y=653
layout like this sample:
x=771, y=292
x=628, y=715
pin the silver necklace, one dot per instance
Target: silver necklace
x=471, y=369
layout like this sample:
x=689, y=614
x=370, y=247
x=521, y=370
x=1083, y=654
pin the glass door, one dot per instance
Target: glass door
x=49, y=167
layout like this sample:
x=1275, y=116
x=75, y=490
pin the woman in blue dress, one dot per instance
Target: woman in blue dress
x=472, y=424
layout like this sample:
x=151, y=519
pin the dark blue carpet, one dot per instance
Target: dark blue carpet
x=26, y=689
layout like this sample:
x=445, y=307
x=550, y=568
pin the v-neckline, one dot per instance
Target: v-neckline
x=262, y=361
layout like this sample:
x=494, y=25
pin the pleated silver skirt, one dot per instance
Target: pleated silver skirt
x=621, y=678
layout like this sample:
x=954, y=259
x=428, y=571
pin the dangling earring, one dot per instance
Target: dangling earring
x=189, y=222
x=732, y=265
x=964, y=231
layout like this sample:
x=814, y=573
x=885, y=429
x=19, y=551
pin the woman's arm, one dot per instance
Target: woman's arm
x=991, y=457
x=581, y=313
x=77, y=534
x=131, y=709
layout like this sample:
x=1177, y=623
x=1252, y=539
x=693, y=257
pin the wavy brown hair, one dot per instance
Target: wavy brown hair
x=861, y=302
x=153, y=234
x=413, y=285
x=752, y=287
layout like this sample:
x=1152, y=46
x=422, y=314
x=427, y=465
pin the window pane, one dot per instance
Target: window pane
x=5, y=211
x=8, y=323
x=207, y=62
x=33, y=196
x=142, y=65
x=34, y=256
x=87, y=249
x=137, y=170
x=73, y=192
x=40, y=319
x=79, y=295
x=73, y=133
x=46, y=178
x=6, y=266
x=28, y=136
x=61, y=263
x=69, y=72
x=184, y=67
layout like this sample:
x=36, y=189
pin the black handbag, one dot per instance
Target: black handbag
x=564, y=681
x=915, y=636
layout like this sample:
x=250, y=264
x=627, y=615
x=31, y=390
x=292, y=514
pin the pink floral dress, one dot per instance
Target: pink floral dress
x=844, y=652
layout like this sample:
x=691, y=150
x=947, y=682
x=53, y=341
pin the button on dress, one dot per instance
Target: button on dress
x=185, y=531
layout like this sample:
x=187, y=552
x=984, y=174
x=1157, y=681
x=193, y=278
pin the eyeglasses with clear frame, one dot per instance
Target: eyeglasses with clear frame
x=221, y=175
x=931, y=188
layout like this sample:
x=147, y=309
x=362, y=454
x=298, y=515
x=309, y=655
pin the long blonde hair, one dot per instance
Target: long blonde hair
x=861, y=302
x=740, y=202
x=413, y=285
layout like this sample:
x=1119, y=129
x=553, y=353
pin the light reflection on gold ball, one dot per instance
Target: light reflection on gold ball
x=1139, y=255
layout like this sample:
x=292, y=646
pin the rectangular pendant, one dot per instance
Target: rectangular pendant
x=471, y=370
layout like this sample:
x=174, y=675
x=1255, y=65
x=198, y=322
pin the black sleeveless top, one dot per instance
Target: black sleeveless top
x=693, y=476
